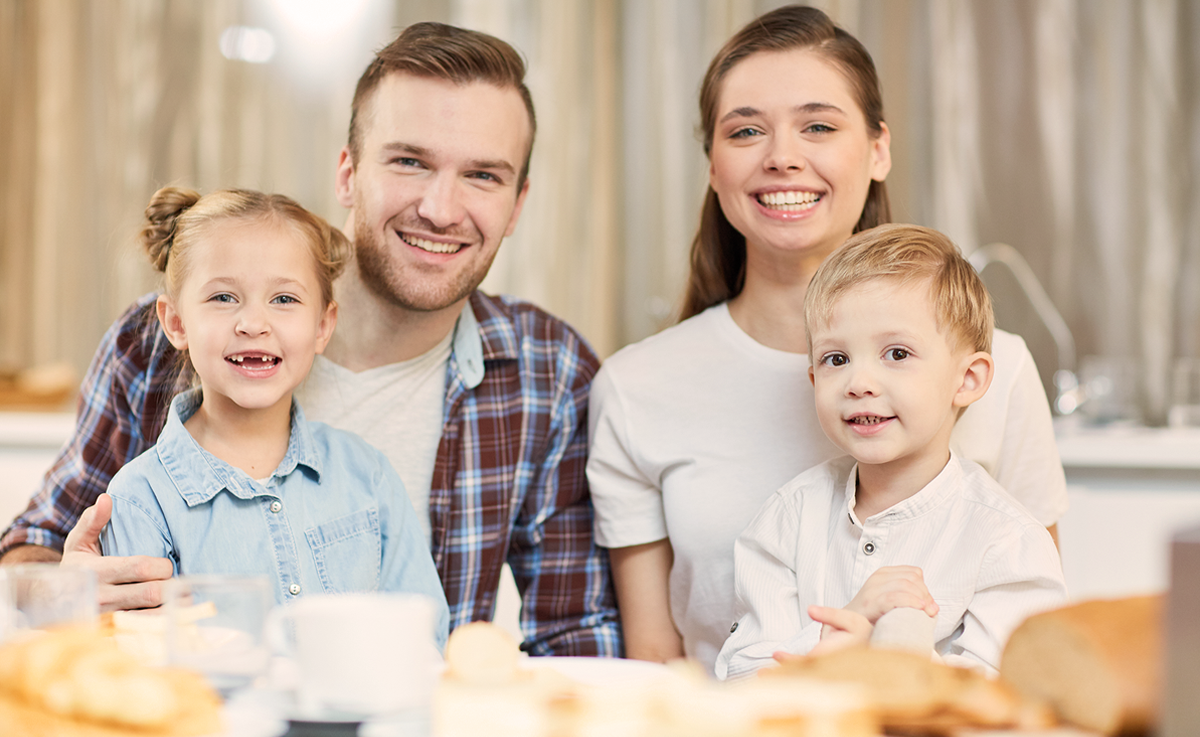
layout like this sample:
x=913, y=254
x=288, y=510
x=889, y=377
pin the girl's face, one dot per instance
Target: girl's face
x=250, y=314
x=792, y=156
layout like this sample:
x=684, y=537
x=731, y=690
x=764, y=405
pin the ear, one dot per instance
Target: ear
x=812, y=375
x=344, y=181
x=326, y=325
x=881, y=154
x=516, y=213
x=978, y=369
x=172, y=323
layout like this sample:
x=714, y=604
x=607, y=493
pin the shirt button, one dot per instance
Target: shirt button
x=733, y=628
x=294, y=589
x=276, y=505
x=869, y=548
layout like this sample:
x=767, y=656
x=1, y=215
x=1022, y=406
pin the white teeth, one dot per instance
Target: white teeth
x=790, y=200
x=431, y=246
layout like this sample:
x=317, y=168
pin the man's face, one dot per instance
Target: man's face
x=434, y=191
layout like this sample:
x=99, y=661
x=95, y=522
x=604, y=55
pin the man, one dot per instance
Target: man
x=480, y=402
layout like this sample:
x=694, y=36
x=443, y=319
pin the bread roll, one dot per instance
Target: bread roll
x=1097, y=664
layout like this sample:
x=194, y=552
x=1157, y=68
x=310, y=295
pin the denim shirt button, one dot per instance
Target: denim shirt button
x=294, y=589
x=275, y=507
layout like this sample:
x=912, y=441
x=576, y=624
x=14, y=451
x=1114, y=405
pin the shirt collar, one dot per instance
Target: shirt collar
x=482, y=333
x=943, y=486
x=200, y=476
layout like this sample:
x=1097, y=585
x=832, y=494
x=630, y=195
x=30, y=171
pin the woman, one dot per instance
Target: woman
x=693, y=428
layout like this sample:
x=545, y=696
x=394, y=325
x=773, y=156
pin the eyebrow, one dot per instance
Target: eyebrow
x=808, y=107
x=425, y=153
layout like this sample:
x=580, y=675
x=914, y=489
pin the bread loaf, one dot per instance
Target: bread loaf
x=1097, y=664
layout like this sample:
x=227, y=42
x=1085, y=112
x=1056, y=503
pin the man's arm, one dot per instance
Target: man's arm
x=122, y=402
x=564, y=577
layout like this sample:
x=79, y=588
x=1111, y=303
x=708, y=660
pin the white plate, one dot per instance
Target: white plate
x=601, y=671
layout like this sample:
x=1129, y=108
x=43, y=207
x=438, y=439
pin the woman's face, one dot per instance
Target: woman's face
x=792, y=157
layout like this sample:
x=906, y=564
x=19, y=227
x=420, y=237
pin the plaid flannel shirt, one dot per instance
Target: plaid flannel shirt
x=508, y=481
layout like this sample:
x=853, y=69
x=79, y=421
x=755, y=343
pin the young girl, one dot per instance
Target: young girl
x=238, y=482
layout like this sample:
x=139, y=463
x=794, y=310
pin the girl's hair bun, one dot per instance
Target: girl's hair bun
x=162, y=214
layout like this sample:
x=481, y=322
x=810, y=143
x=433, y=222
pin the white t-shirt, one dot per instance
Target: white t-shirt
x=987, y=562
x=397, y=408
x=694, y=428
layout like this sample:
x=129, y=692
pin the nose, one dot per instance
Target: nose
x=441, y=202
x=253, y=321
x=860, y=381
x=785, y=154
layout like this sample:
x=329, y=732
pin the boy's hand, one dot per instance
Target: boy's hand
x=134, y=582
x=889, y=588
x=842, y=628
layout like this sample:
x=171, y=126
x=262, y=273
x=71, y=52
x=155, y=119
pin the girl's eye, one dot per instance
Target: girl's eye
x=835, y=359
x=286, y=299
x=222, y=298
x=897, y=354
x=744, y=133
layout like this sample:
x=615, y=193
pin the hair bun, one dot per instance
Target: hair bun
x=162, y=214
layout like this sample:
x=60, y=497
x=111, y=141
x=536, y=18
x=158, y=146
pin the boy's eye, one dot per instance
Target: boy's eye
x=835, y=359
x=897, y=354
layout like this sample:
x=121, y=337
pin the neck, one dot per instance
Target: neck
x=373, y=332
x=883, y=486
x=770, y=307
x=254, y=440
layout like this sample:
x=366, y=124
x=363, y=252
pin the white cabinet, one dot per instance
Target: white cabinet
x=1130, y=490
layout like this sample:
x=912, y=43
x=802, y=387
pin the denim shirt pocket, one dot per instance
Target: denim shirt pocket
x=347, y=552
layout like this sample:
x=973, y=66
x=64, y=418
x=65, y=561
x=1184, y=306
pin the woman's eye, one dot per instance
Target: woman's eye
x=744, y=133
x=820, y=128
x=897, y=354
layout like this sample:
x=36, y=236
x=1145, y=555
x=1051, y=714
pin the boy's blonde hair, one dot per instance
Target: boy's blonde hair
x=907, y=253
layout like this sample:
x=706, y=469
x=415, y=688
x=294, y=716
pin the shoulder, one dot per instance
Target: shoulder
x=986, y=494
x=342, y=446
x=677, y=343
x=515, y=329
x=137, y=331
x=137, y=479
x=825, y=477
x=1011, y=357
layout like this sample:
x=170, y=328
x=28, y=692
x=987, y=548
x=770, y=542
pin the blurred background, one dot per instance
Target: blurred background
x=1064, y=128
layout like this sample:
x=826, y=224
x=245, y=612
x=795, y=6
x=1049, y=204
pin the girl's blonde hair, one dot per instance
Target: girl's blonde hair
x=907, y=253
x=178, y=218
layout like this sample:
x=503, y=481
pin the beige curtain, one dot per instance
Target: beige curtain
x=1066, y=128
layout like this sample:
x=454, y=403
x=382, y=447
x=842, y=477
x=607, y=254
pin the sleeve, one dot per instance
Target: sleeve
x=769, y=616
x=568, y=605
x=629, y=504
x=137, y=526
x=108, y=433
x=1020, y=576
x=407, y=565
x=1029, y=466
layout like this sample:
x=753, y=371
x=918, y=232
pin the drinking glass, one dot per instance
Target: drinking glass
x=34, y=596
x=214, y=625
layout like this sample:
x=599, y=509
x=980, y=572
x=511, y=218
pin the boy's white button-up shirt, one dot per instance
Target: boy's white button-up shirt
x=987, y=562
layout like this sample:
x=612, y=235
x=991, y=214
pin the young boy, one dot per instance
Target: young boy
x=899, y=328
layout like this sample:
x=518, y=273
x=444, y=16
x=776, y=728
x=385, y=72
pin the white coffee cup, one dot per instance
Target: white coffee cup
x=367, y=654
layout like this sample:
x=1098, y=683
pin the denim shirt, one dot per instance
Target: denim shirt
x=333, y=517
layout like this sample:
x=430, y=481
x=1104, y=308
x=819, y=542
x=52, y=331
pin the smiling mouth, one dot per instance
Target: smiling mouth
x=789, y=201
x=868, y=419
x=431, y=246
x=254, y=362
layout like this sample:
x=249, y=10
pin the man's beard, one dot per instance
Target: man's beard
x=409, y=290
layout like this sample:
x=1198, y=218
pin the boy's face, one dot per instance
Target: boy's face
x=888, y=383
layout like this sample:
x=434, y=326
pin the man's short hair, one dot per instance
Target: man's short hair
x=907, y=253
x=444, y=52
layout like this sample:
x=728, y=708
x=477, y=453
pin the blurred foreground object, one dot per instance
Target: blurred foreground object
x=77, y=681
x=913, y=694
x=1096, y=664
x=1181, y=708
x=45, y=387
